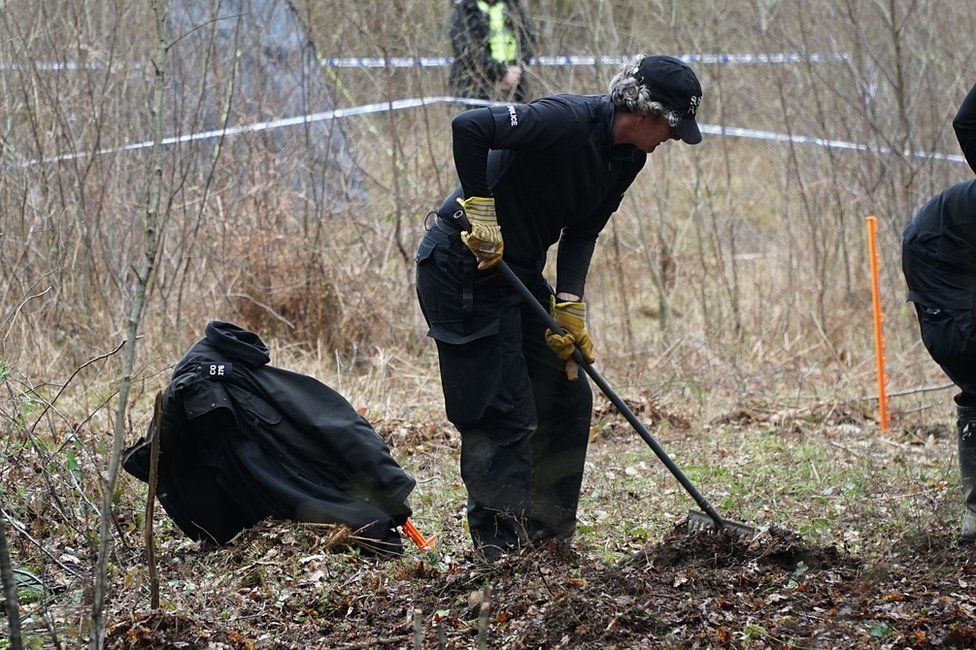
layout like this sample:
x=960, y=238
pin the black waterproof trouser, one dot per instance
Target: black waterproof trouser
x=524, y=426
x=946, y=310
x=949, y=337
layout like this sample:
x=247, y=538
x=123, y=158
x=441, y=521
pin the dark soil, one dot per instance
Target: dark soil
x=703, y=589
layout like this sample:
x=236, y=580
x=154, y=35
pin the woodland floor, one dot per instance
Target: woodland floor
x=685, y=591
x=857, y=549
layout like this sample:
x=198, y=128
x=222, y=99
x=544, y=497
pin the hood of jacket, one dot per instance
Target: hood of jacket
x=238, y=343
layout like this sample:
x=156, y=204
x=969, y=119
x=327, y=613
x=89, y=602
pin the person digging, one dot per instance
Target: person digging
x=532, y=175
x=939, y=263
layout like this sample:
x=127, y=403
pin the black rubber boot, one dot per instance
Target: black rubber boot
x=967, y=471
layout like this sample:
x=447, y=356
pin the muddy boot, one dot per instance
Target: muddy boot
x=967, y=471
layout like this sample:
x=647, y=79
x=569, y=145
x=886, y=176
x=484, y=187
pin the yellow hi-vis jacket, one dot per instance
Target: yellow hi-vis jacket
x=501, y=37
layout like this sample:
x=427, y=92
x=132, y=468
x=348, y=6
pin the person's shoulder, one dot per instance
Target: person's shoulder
x=582, y=107
x=963, y=188
x=576, y=103
x=956, y=197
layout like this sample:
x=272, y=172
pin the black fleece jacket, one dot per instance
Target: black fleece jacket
x=554, y=172
x=939, y=246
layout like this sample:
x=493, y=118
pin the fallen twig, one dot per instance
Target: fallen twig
x=376, y=641
x=847, y=449
x=906, y=495
x=913, y=391
x=23, y=531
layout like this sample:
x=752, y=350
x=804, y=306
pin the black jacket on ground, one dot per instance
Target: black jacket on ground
x=241, y=440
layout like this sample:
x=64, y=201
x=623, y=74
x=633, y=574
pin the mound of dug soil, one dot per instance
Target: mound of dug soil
x=722, y=549
x=712, y=589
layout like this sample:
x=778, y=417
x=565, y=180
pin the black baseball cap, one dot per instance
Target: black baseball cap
x=675, y=85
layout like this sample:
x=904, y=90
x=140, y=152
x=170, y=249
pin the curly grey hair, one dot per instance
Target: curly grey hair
x=629, y=94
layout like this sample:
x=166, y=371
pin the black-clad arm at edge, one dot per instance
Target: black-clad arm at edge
x=965, y=127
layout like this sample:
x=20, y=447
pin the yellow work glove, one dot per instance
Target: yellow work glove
x=571, y=317
x=485, y=238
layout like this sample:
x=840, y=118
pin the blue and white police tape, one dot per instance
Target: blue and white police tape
x=403, y=104
x=443, y=61
x=587, y=60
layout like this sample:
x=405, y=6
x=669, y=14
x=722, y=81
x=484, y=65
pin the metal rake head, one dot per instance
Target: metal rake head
x=699, y=521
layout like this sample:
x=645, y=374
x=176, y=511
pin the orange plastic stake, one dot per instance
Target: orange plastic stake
x=416, y=537
x=879, y=357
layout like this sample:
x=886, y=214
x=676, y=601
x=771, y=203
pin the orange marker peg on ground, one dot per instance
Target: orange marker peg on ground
x=416, y=537
x=879, y=357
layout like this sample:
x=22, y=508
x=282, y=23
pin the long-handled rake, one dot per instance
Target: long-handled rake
x=696, y=520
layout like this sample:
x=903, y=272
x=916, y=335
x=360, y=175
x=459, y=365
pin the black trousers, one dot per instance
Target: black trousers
x=944, y=302
x=949, y=337
x=524, y=426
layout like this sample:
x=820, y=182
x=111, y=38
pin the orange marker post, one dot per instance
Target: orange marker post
x=416, y=537
x=878, y=337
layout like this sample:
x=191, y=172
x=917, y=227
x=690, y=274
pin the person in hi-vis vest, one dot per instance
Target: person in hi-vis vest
x=493, y=43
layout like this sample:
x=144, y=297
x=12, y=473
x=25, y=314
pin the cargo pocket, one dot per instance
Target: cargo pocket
x=201, y=397
x=465, y=326
x=941, y=334
x=470, y=373
x=446, y=279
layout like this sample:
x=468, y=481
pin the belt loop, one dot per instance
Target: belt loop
x=445, y=226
